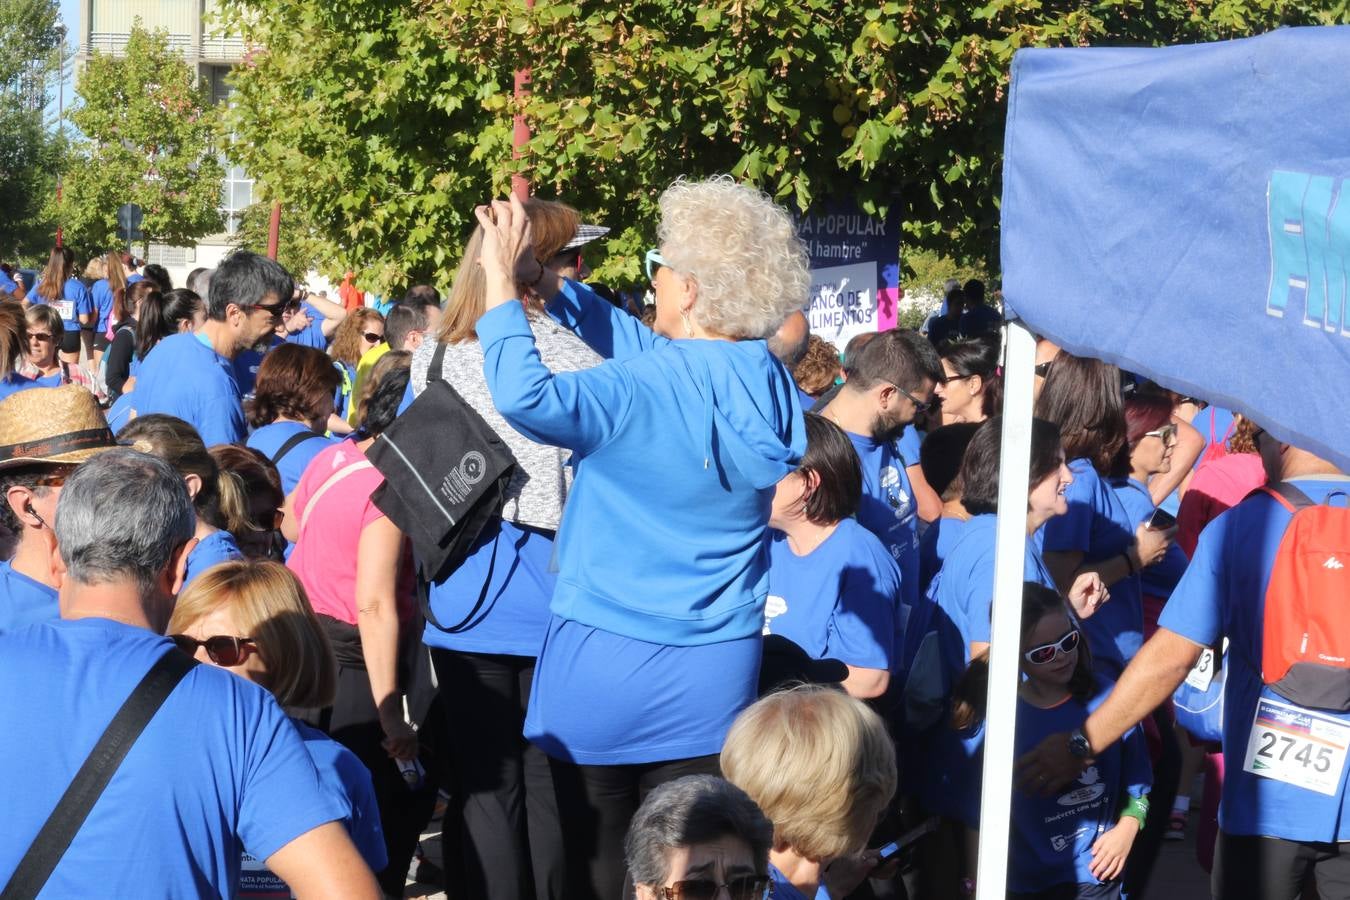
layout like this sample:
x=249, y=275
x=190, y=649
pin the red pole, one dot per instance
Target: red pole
x=520, y=185
x=274, y=231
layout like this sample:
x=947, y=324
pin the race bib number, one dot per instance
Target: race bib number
x=1301, y=748
x=1202, y=675
x=66, y=308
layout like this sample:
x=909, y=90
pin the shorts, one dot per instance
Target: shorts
x=70, y=342
x=101, y=341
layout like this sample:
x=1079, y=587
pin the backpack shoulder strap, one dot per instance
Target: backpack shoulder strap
x=435, y=370
x=290, y=444
x=66, y=819
x=1288, y=496
x=333, y=479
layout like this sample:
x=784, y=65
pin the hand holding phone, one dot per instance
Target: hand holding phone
x=1161, y=520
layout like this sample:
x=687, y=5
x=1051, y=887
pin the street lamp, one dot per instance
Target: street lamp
x=60, y=111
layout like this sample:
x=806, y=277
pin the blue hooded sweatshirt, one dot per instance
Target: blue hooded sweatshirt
x=677, y=445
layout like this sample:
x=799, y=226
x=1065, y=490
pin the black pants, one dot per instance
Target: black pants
x=597, y=803
x=511, y=835
x=353, y=721
x=1265, y=868
x=1166, y=776
x=1108, y=891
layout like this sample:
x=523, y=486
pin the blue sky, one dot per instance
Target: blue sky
x=70, y=14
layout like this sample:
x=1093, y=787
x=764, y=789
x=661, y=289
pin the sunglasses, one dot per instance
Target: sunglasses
x=920, y=405
x=1047, y=653
x=372, y=337
x=277, y=310
x=223, y=650
x=1164, y=434
x=654, y=261
x=39, y=336
x=747, y=887
x=1042, y=369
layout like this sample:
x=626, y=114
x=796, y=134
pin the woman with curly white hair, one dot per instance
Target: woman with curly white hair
x=679, y=438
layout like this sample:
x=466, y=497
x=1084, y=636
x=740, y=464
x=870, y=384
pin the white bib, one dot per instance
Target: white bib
x=1299, y=747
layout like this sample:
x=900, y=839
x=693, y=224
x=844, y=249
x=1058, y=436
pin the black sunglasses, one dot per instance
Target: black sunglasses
x=747, y=887
x=372, y=336
x=222, y=649
x=277, y=310
x=1043, y=369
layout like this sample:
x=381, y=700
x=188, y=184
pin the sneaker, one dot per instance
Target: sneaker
x=1176, y=827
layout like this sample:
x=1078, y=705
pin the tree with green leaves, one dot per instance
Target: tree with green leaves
x=148, y=133
x=385, y=121
x=30, y=152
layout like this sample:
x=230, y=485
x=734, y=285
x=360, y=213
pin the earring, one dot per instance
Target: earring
x=688, y=329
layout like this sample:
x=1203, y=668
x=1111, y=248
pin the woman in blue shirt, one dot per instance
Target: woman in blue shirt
x=360, y=332
x=103, y=293
x=292, y=400
x=678, y=439
x=59, y=287
x=833, y=587
x=1097, y=534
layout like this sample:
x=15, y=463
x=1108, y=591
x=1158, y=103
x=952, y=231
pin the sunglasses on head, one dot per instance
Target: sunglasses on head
x=746, y=887
x=1047, y=653
x=222, y=649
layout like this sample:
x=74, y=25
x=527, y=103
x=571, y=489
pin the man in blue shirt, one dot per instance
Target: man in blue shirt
x=191, y=376
x=44, y=434
x=1279, y=822
x=313, y=322
x=218, y=770
x=892, y=378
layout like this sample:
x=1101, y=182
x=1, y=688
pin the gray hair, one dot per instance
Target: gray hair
x=199, y=281
x=689, y=811
x=246, y=279
x=121, y=516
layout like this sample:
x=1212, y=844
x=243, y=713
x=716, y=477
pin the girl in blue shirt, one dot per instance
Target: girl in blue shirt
x=1072, y=845
x=833, y=587
x=59, y=287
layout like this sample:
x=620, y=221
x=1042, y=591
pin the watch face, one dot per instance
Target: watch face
x=1078, y=744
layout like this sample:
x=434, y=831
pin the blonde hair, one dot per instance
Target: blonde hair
x=269, y=604
x=13, y=336
x=394, y=359
x=741, y=249
x=96, y=268
x=552, y=225
x=818, y=762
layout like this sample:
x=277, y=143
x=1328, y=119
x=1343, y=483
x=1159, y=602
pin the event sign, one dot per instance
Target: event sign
x=855, y=270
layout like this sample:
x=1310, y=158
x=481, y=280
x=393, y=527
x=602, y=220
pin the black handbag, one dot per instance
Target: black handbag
x=73, y=808
x=445, y=477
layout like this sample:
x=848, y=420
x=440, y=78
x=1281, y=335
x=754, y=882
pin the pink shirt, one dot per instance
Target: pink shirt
x=1215, y=487
x=324, y=558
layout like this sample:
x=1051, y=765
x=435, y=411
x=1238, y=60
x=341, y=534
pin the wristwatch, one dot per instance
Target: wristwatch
x=1078, y=744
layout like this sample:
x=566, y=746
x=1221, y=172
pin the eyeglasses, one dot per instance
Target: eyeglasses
x=56, y=479
x=1047, y=653
x=655, y=261
x=373, y=337
x=1166, y=434
x=39, y=336
x=1043, y=369
x=277, y=310
x=920, y=405
x=222, y=649
x=747, y=887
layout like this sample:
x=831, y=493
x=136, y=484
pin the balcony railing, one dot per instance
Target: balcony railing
x=215, y=49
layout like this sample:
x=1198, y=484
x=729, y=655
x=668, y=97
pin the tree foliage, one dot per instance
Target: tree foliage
x=148, y=138
x=29, y=152
x=387, y=120
x=302, y=246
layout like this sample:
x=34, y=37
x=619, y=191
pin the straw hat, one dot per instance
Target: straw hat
x=52, y=425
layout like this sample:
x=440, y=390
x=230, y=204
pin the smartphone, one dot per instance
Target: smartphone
x=888, y=851
x=1161, y=520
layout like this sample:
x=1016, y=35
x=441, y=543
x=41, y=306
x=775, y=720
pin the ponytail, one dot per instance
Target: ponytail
x=232, y=504
x=971, y=695
x=160, y=315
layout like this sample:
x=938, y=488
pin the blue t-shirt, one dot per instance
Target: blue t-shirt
x=887, y=508
x=980, y=319
x=119, y=415
x=7, y=285
x=216, y=547
x=13, y=382
x=599, y=698
x=75, y=301
x=342, y=397
x=934, y=545
x=1098, y=526
x=943, y=328
x=137, y=276
x=268, y=439
x=218, y=769
x=182, y=376
x=1159, y=579
x=348, y=779
x=246, y=365
x=909, y=444
x=101, y=294
x=838, y=601
x=513, y=616
x=1222, y=594
x=1052, y=837
x=782, y=889
x=312, y=334
x=24, y=600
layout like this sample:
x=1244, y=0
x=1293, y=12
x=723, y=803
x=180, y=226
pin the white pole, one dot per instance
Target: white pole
x=1005, y=632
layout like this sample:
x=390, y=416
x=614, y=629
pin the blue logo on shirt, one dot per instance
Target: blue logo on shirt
x=1309, y=221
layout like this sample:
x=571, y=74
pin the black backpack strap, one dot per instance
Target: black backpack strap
x=290, y=444
x=424, y=598
x=73, y=808
x=434, y=371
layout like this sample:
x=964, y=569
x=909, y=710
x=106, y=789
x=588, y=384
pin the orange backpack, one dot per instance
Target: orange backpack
x=1306, y=650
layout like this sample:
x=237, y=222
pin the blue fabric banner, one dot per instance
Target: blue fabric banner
x=1184, y=213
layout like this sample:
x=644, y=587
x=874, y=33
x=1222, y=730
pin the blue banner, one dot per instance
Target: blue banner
x=1184, y=212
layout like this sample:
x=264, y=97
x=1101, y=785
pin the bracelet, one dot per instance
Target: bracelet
x=1136, y=808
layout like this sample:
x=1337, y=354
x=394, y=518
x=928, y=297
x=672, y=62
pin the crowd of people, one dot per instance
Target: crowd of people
x=723, y=629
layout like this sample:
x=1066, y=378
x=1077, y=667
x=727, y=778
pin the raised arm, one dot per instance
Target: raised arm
x=607, y=330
